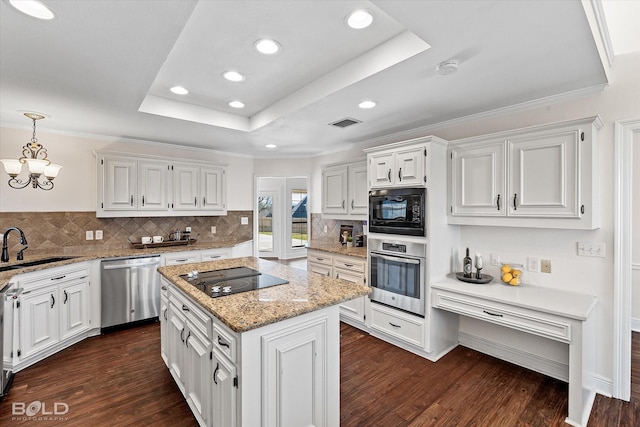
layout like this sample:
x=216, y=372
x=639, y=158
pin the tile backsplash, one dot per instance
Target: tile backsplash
x=49, y=231
x=333, y=228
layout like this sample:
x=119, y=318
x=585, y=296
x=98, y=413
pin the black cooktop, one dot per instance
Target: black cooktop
x=229, y=281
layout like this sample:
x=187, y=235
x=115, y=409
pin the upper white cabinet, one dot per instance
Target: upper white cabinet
x=398, y=167
x=344, y=190
x=130, y=185
x=543, y=176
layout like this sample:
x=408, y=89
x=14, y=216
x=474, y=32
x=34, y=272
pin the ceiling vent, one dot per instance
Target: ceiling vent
x=343, y=123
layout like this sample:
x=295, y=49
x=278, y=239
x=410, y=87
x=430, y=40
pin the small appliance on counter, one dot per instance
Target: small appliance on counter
x=361, y=241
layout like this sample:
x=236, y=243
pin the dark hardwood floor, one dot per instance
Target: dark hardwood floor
x=119, y=379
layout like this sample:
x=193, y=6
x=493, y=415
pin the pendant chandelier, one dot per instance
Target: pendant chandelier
x=34, y=155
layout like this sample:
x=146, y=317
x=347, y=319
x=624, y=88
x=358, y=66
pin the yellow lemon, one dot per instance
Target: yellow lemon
x=514, y=281
x=506, y=277
x=506, y=268
x=516, y=273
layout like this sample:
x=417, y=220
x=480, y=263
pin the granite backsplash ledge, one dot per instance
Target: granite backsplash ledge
x=49, y=231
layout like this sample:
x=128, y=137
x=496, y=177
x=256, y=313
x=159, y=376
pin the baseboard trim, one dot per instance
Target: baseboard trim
x=635, y=325
x=552, y=368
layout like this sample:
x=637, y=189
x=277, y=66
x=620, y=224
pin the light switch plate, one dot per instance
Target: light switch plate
x=187, y=229
x=98, y=234
x=88, y=235
x=244, y=220
x=495, y=259
x=598, y=250
x=533, y=265
x=214, y=229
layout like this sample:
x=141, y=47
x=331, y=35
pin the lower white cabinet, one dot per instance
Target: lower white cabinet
x=53, y=308
x=282, y=374
x=347, y=268
x=164, y=323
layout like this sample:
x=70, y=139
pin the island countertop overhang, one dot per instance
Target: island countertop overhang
x=305, y=292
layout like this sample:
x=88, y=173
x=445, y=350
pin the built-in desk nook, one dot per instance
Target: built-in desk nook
x=564, y=316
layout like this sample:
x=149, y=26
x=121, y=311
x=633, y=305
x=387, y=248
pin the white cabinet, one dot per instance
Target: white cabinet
x=543, y=176
x=344, y=190
x=53, y=309
x=130, y=184
x=198, y=188
x=223, y=391
x=398, y=166
x=177, y=258
x=342, y=267
x=480, y=185
x=136, y=185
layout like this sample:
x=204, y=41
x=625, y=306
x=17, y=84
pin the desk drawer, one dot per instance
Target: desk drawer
x=503, y=314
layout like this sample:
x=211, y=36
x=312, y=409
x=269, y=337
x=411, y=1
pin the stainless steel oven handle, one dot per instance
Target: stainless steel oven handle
x=398, y=259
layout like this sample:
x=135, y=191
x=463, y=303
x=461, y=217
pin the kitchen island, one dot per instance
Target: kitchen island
x=263, y=357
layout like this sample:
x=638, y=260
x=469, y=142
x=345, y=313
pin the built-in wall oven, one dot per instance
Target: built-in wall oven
x=398, y=211
x=397, y=272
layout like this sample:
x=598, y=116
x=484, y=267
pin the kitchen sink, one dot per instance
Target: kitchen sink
x=37, y=262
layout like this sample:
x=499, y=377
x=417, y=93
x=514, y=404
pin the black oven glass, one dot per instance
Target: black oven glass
x=397, y=211
x=395, y=274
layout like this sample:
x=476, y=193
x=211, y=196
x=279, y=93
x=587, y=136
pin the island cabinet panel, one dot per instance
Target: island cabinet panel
x=177, y=326
x=223, y=392
x=294, y=387
x=164, y=324
x=198, y=375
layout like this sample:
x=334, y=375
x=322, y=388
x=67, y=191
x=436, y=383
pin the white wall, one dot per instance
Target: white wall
x=635, y=241
x=75, y=186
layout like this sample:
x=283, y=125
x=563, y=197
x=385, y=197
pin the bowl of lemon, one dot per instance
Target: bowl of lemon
x=511, y=274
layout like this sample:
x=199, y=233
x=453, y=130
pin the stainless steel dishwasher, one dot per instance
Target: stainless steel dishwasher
x=130, y=289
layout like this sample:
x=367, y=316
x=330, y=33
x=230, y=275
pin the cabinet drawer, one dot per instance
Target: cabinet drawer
x=214, y=255
x=349, y=264
x=53, y=276
x=398, y=325
x=319, y=257
x=196, y=316
x=505, y=315
x=321, y=269
x=225, y=342
x=181, y=258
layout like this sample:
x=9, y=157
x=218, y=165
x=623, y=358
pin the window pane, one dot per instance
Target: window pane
x=298, y=218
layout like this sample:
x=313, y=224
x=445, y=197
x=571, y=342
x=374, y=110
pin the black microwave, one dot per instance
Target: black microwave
x=398, y=211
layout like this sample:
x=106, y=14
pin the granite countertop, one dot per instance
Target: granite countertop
x=5, y=276
x=337, y=248
x=305, y=292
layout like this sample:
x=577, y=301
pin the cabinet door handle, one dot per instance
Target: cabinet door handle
x=165, y=314
x=348, y=265
x=222, y=343
x=182, y=260
x=352, y=202
x=131, y=200
x=66, y=297
x=186, y=341
x=515, y=202
x=142, y=200
x=400, y=174
x=215, y=373
x=389, y=175
x=185, y=308
x=343, y=204
x=182, y=333
x=492, y=314
x=394, y=325
x=53, y=301
x=337, y=275
x=164, y=288
x=498, y=202
x=204, y=201
x=195, y=201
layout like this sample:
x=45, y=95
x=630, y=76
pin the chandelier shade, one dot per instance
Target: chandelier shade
x=34, y=155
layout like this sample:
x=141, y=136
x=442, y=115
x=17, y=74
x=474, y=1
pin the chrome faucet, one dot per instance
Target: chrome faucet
x=5, y=247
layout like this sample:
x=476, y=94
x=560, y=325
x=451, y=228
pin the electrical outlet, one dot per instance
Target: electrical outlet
x=88, y=235
x=533, y=265
x=545, y=266
x=98, y=234
x=495, y=259
x=187, y=229
x=325, y=228
x=244, y=220
x=213, y=229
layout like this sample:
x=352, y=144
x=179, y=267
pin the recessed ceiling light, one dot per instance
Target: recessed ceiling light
x=359, y=19
x=236, y=104
x=271, y=145
x=179, y=90
x=33, y=8
x=367, y=104
x=267, y=46
x=233, y=76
